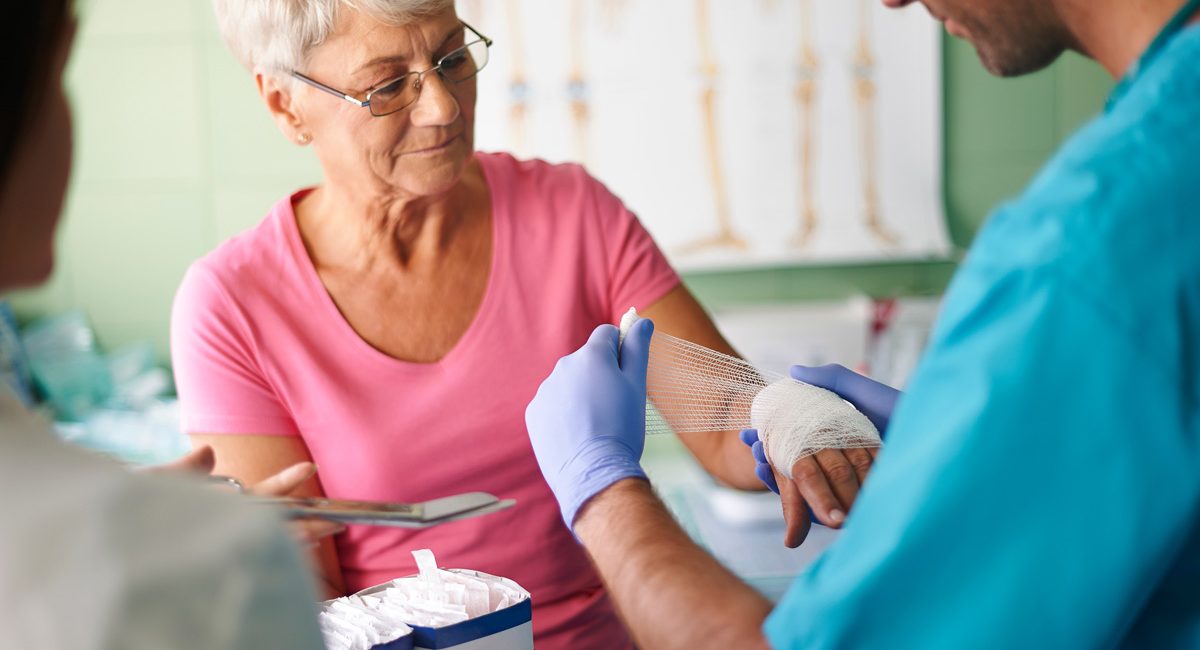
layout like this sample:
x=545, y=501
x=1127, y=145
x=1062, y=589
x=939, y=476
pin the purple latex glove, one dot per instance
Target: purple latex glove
x=821, y=490
x=762, y=469
x=587, y=423
x=875, y=400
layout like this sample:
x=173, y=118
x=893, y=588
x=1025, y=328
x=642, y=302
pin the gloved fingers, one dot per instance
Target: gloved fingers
x=859, y=390
x=876, y=400
x=759, y=452
x=809, y=478
x=749, y=436
x=826, y=376
x=841, y=475
x=796, y=515
x=285, y=481
x=605, y=337
x=862, y=460
x=766, y=474
x=762, y=469
x=635, y=350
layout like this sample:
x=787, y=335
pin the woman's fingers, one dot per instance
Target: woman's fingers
x=306, y=532
x=862, y=460
x=286, y=481
x=310, y=532
x=795, y=513
x=840, y=476
x=810, y=480
x=829, y=482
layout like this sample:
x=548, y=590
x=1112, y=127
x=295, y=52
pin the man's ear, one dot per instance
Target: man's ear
x=280, y=100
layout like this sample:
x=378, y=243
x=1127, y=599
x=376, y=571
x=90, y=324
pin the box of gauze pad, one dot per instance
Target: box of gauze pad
x=445, y=608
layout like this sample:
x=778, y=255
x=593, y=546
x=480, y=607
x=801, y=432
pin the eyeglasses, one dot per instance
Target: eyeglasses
x=403, y=91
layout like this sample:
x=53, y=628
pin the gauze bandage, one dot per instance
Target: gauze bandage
x=433, y=598
x=693, y=389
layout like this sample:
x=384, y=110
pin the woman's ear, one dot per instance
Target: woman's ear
x=278, y=97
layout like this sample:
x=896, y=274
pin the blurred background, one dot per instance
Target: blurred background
x=175, y=153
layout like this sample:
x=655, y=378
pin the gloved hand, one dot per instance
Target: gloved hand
x=762, y=468
x=830, y=479
x=587, y=422
x=875, y=400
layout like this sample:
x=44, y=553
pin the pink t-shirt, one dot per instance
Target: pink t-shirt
x=260, y=348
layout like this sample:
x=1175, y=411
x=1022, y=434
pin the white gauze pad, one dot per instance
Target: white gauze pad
x=795, y=420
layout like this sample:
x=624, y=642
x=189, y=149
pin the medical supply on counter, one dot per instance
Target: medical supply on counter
x=351, y=623
x=67, y=365
x=14, y=366
x=692, y=389
x=147, y=436
x=437, y=607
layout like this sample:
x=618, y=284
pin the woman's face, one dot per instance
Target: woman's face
x=418, y=151
x=31, y=197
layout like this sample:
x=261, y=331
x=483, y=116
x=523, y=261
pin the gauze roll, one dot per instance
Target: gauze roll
x=795, y=420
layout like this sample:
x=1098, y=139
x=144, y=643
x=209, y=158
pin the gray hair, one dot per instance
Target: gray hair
x=275, y=36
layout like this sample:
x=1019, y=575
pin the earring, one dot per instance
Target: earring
x=304, y=138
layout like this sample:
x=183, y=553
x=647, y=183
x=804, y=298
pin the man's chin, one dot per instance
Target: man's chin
x=1010, y=65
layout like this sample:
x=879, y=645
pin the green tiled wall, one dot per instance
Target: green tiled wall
x=175, y=153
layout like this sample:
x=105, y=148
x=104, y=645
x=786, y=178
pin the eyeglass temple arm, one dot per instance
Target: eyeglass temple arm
x=474, y=31
x=331, y=90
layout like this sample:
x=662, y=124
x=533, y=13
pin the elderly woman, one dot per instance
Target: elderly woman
x=392, y=323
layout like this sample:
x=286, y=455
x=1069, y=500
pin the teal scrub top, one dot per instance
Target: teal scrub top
x=1040, y=485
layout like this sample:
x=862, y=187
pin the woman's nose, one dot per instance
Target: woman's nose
x=436, y=105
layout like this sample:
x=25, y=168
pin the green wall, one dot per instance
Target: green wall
x=174, y=153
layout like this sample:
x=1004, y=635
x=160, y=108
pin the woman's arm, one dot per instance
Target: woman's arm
x=253, y=458
x=721, y=454
x=827, y=481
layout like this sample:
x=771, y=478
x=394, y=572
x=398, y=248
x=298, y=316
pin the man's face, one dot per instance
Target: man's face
x=1012, y=37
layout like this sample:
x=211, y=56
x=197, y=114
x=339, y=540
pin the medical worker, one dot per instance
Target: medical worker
x=1040, y=483
x=92, y=556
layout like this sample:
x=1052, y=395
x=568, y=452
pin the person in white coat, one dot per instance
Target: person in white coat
x=92, y=555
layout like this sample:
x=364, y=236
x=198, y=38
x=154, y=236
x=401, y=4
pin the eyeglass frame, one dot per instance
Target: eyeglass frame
x=366, y=103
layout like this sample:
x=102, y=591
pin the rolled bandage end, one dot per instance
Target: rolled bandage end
x=795, y=420
x=627, y=322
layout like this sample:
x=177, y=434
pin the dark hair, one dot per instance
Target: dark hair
x=35, y=29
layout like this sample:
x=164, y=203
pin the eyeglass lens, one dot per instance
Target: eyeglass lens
x=456, y=67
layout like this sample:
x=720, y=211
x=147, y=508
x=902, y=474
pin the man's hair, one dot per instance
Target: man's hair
x=27, y=52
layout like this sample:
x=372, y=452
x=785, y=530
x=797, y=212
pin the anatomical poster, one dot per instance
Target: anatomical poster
x=743, y=133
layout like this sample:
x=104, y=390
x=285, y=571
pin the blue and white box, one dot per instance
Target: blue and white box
x=435, y=609
x=510, y=628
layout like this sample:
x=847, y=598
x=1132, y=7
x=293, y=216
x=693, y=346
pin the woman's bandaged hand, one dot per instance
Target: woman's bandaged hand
x=827, y=480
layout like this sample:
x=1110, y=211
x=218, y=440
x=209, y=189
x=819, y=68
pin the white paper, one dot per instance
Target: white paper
x=639, y=68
